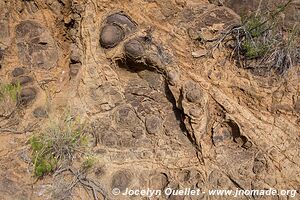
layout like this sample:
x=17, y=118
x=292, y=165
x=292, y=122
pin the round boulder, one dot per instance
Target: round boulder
x=27, y=95
x=153, y=124
x=111, y=36
x=159, y=181
x=22, y=80
x=193, y=95
x=121, y=180
x=134, y=49
x=122, y=20
x=40, y=112
x=18, y=71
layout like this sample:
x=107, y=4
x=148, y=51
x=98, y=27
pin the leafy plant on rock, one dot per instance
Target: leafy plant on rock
x=261, y=42
x=56, y=144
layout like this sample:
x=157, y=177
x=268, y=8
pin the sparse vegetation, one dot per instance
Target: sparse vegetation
x=53, y=151
x=57, y=144
x=88, y=163
x=261, y=42
x=253, y=51
x=10, y=90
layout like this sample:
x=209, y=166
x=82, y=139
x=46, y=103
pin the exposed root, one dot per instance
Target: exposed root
x=260, y=43
x=81, y=177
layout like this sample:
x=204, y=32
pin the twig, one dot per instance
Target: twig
x=87, y=183
x=3, y=130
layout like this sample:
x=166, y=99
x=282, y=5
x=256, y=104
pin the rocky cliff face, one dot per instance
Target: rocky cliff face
x=160, y=110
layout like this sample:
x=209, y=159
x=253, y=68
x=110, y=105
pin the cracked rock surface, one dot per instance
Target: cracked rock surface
x=159, y=117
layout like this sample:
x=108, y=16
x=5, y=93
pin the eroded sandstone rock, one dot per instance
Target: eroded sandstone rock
x=22, y=80
x=121, y=180
x=40, y=112
x=159, y=181
x=1, y=54
x=111, y=35
x=27, y=95
x=36, y=47
x=153, y=124
x=156, y=116
x=134, y=49
x=18, y=71
x=116, y=27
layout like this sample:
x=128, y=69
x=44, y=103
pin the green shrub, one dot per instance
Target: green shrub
x=56, y=144
x=254, y=50
x=10, y=90
x=261, y=42
x=255, y=26
x=88, y=162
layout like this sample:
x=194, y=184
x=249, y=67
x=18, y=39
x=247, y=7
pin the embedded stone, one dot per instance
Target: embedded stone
x=105, y=97
x=18, y=71
x=1, y=54
x=258, y=167
x=221, y=135
x=75, y=56
x=36, y=46
x=193, y=95
x=259, y=164
x=159, y=181
x=217, y=178
x=4, y=29
x=134, y=49
x=111, y=36
x=153, y=124
x=40, y=112
x=154, y=59
x=195, y=112
x=28, y=28
x=126, y=117
x=122, y=20
x=109, y=138
x=27, y=95
x=121, y=180
x=137, y=133
x=173, y=77
x=74, y=69
x=22, y=80
x=155, y=80
x=191, y=176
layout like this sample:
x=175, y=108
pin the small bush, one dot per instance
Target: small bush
x=88, y=162
x=252, y=50
x=254, y=25
x=56, y=144
x=260, y=42
x=10, y=90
